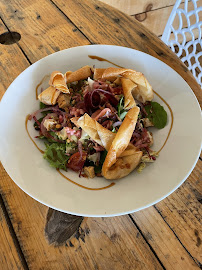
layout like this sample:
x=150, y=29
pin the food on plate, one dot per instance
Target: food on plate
x=95, y=121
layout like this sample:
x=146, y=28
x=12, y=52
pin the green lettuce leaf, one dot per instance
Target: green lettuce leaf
x=55, y=155
x=43, y=106
x=156, y=114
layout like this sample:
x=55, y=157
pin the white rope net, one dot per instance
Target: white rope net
x=185, y=37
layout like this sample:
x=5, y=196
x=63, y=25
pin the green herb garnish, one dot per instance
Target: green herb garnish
x=156, y=114
x=121, y=111
x=43, y=106
x=55, y=155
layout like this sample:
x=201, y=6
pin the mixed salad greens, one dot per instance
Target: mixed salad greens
x=69, y=147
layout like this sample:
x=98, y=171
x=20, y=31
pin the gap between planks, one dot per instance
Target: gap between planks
x=195, y=260
x=17, y=42
x=91, y=43
x=13, y=235
x=71, y=21
x=153, y=251
x=13, y=232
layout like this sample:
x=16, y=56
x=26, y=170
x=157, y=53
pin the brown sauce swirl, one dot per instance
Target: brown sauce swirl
x=171, y=125
x=112, y=184
x=102, y=59
x=38, y=85
x=171, y=112
x=26, y=121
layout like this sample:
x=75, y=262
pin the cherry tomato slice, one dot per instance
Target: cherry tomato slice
x=75, y=162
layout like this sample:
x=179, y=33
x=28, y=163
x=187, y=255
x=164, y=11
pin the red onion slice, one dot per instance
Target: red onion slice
x=116, y=124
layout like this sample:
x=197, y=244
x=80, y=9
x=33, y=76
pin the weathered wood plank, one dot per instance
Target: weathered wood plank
x=132, y=7
x=182, y=212
x=28, y=219
x=109, y=26
x=185, y=206
x=41, y=27
x=12, y=64
x=152, y=18
x=121, y=247
x=150, y=13
x=9, y=257
x=9, y=253
x=29, y=227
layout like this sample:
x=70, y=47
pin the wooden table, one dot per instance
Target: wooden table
x=164, y=236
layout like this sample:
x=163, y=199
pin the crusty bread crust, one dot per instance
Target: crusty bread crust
x=57, y=80
x=97, y=132
x=143, y=92
x=80, y=74
x=122, y=157
x=98, y=73
x=128, y=87
x=49, y=96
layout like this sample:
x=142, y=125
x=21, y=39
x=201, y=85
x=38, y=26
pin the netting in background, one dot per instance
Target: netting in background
x=183, y=34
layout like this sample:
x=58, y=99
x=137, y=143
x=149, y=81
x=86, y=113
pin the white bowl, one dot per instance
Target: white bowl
x=26, y=166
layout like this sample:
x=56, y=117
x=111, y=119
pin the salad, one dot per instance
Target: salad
x=96, y=121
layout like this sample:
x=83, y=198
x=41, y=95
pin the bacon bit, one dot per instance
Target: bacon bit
x=141, y=139
x=76, y=112
x=71, y=132
x=107, y=124
x=136, y=134
x=108, y=105
x=101, y=85
x=143, y=108
x=60, y=119
x=116, y=90
x=76, y=97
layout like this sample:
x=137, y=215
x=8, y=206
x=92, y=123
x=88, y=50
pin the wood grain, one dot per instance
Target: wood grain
x=109, y=26
x=152, y=19
x=182, y=213
x=41, y=26
x=117, y=242
x=12, y=64
x=29, y=228
x=132, y=7
x=9, y=258
x=120, y=248
x=185, y=206
x=150, y=13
